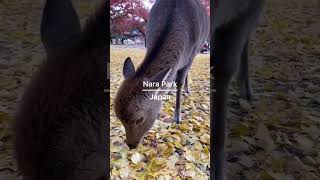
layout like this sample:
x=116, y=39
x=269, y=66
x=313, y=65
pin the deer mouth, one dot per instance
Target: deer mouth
x=131, y=146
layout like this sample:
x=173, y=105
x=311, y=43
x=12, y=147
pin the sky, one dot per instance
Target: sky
x=147, y=4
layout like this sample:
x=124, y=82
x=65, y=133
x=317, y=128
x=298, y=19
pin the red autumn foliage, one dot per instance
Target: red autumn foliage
x=127, y=15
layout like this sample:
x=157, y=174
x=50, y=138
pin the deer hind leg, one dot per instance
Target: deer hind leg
x=181, y=75
x=229, y=40
x=243, y=76
x=180, y=79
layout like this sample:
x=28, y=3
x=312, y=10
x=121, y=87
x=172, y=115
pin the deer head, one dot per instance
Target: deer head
x=134, y=107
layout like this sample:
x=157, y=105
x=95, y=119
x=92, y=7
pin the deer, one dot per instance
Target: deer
x=232, y=24
x=60, y=126
x=175, y=31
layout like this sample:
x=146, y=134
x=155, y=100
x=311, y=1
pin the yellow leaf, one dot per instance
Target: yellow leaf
x=150, y=165
x=114, y=148
x=189, y=166
x=151, y=136
x=124, y=172
x=189, y=173
x=153, y=166
x=205, y=157
x=196, y=155
x=142, y=177
x=138, y=165
x=170, y=144
x=172, y=160
x=164, y=177
x=205, y=138
x=168, y=151
x=189, y=156
x=184, y=127
x=199, y=177
x=160, y=161
x=177, y=137
x=115, y=172
x=206, y=150
x=123, y=162
x=198, y=145
x=150, y=152
x=178, y=144
x=155, y=174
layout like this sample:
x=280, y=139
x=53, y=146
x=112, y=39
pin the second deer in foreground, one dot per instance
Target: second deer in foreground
x=176, y=29
x=233, y=22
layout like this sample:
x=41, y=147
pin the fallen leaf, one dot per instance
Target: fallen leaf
x=136, y=157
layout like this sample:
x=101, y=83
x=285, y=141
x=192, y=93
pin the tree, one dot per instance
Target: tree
x=127, y=15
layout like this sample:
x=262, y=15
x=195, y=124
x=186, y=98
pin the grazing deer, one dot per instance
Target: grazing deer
x=232, y=23
x=60, y=129
x=175, y=31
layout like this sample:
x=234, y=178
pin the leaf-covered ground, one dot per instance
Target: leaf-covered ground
x=168, y=150
x=277, y=137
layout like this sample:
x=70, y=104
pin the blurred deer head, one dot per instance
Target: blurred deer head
x=60, y=126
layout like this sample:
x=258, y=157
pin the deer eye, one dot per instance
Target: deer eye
x=139, y=120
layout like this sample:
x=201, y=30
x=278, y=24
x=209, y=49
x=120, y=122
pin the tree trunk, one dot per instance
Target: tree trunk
x=145, y=41
x=144, y=37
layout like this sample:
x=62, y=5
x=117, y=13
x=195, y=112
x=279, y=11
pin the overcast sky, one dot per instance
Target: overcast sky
x=147, y=4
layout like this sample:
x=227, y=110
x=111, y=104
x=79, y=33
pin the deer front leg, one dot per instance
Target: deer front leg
x=243, y=76
x=177, y=110
x=219, y=125
x=229, y=43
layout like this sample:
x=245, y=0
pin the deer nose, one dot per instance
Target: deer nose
x=132, y=146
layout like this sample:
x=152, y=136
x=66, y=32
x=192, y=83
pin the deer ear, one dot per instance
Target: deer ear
x=60, y=24
x=128, y=68
x=161, y=76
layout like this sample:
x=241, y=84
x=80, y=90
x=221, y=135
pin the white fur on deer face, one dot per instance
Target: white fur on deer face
x=133, y=105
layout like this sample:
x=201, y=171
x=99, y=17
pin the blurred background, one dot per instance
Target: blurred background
x=21, y=53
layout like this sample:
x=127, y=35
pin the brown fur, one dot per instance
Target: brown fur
x=175, y=30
